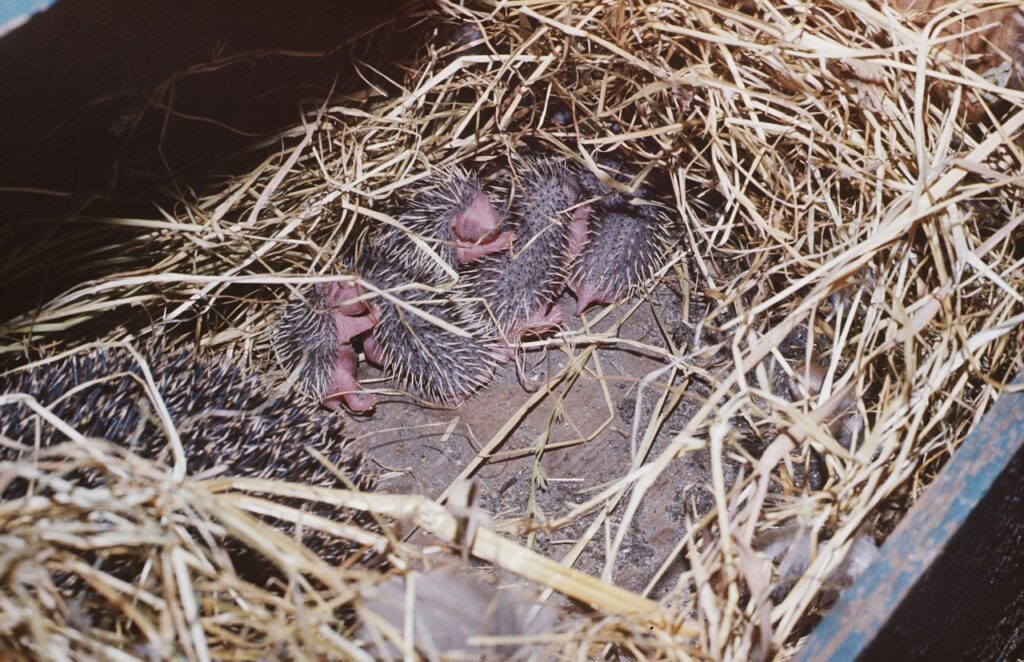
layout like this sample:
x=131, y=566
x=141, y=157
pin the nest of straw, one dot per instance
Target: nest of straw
x=846, y=173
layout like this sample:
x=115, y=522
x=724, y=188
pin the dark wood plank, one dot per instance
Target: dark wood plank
x=948, y=584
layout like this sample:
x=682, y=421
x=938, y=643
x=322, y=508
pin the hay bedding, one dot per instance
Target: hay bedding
x=845, y=304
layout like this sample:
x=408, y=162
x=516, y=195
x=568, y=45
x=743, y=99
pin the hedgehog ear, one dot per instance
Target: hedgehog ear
x=571, y=186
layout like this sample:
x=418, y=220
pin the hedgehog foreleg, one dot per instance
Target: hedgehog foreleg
x=588, y=294
x=472, y=252
x=537, y=323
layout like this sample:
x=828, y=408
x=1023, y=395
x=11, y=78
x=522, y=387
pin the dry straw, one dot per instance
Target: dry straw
x=864, y=194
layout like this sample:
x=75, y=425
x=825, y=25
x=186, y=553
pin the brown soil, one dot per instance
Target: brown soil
x=422, y=450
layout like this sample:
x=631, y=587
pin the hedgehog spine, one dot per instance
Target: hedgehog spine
x=225, y=416
x=521, y=286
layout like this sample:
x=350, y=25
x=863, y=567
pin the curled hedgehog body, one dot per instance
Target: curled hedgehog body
x=429, y=360
x=627, y=240
x=226, y=417
x=455, y=216
x=548, y=222
x=314, y=341
x=314, y=338
x=452, y=214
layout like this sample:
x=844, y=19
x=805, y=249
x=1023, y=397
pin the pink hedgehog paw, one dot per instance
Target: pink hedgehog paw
x=344, y=386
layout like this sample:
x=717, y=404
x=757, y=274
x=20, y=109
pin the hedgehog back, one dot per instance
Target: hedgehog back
x=225, y=416
x=625, y=246
x=426, y=359
x=306, y=340
x=518, y=283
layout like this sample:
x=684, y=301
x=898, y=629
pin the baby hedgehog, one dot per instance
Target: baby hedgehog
x=627, y=240
x=313, y=339
x=453, y=215
x=315, y=335
x=431, y=361
x=549, y=228
x=226, y=417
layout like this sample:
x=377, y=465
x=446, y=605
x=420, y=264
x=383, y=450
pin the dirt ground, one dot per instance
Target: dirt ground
x=587, y=436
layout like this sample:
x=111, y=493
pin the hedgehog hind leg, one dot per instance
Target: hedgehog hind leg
x=588, y=294
x=344, y=382
x=344, y=385
x=540, y=321
x=372, y=350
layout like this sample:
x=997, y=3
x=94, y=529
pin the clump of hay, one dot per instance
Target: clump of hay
x=847, y=184
x=135, y=566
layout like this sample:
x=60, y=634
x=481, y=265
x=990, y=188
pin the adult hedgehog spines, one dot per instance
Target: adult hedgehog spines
x=226, y=417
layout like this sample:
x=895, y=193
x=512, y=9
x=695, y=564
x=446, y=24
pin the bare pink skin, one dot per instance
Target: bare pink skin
x=351, y=319
x=345, y=387
x=541, y=322
x=465, y=254
x=371, y=349
x=578, y=237
x=578, y=222
x=538, y=323
x=578, y=232
x=503, y=353
x=475, y=229
x=341, y=299
x=477, y=221
x=587, y=295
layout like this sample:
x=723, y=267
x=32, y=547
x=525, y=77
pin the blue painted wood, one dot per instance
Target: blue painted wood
x=15, y=12
x=949, y=581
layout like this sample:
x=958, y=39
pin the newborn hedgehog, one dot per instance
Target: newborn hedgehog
x=226, y=417
x=313, y=339
x=627, y=240
x=430, y=361
x=456, y=216
x=453, y=215
x=549, y=228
